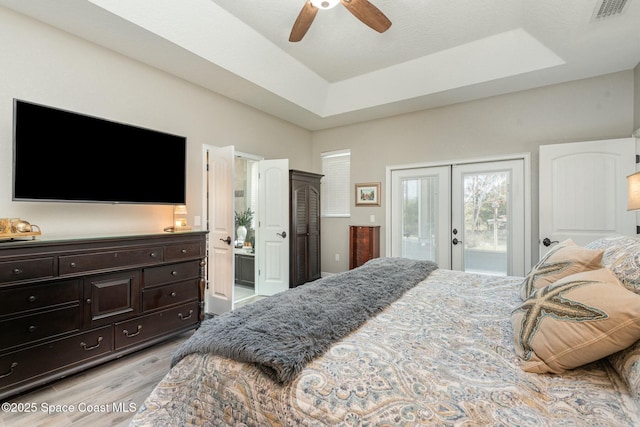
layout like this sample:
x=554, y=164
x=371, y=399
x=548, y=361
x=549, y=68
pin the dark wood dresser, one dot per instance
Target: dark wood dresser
x=364, y=244
x=67, y=305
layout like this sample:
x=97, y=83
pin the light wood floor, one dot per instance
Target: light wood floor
x=116, y=387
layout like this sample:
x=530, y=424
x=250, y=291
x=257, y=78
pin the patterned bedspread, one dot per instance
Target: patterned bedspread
x=442, y=355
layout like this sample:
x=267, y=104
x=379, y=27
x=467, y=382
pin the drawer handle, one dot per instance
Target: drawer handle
x=184, y=251
x=173, y=294
x=84, y=345
x=73, y=265
x=128, y=335
x=185, y=317
x=174, y=273
x=153, y=255
x=13, y=365
x=31, y=329
x=32, y=298
x=17, y=271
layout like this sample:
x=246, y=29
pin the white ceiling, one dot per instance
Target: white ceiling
x=437, y=52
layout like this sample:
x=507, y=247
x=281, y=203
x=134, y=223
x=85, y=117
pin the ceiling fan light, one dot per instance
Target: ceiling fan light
x=325, y=4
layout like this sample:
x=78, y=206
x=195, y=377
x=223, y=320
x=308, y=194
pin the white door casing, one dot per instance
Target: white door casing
x=221, y=230
x=583, y=191
x=272, y=234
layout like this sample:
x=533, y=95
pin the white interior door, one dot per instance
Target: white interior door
x=420, y=214
x=488, y=217
x=220, y=183
x=272, y=234
x=583, y=191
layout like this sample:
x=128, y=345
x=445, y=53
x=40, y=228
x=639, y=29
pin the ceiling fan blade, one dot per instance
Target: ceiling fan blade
x=303, y=22
x=368, y=14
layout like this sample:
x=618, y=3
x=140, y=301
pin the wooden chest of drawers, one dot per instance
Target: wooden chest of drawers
x=364, y=244
x=70, y=304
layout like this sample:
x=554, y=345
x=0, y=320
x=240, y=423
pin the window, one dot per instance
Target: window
x=336, y=167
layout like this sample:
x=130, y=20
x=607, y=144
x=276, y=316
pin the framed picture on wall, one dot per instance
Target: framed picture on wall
x=368, y=194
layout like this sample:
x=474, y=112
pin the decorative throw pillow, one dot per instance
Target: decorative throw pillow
x=627, y=364
x=577, y=320
x=622, y=256
x=562, y=260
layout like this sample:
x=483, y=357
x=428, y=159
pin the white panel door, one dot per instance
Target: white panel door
x=583, y=191
x=221, y=229
x=272, y=234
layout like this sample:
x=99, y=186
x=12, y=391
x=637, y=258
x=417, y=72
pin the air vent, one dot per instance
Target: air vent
x=607, y=8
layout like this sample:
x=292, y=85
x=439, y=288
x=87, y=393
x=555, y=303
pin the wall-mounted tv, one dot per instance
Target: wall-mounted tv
x=60, y=155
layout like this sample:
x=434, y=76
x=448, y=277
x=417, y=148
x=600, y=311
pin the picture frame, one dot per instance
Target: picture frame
x=368, y=194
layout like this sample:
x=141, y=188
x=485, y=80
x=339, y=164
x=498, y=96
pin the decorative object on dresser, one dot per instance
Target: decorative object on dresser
x=364, y=244
x=16, y=228
x=67, y=305
x=304, y=217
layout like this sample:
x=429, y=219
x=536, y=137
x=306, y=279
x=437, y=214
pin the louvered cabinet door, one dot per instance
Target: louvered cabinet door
x=305, y=227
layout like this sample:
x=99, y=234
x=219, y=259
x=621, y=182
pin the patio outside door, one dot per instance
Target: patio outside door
x=468, y=217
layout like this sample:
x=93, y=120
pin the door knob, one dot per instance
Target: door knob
x=455, y=241
x=283, y=234
x=228, y=240
x=547, y=242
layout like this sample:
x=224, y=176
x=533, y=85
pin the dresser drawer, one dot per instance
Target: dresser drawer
x=97, y=261
x=164, y=296
x=182, y=251
x=156, y=276
x=27, y=269
x=44, y=359
x=156, y=324
x=27, y=298
x=46, y=324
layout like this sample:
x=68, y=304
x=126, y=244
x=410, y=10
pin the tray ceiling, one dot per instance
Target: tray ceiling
x=437, y=52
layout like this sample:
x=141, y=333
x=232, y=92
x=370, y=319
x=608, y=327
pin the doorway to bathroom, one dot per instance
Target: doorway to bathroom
x=246, y=203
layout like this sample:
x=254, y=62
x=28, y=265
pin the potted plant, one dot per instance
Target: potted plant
x=243, y=223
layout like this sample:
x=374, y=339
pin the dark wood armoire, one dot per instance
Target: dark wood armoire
x=304, y=217
x=364, y=244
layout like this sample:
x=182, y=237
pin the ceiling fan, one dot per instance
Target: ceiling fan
x=361, y=9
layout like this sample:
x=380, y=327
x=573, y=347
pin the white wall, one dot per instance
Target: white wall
x=636, y=107
x=44, y=65
x=597, y=108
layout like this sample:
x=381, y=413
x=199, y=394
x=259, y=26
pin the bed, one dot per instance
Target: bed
x=454, y=349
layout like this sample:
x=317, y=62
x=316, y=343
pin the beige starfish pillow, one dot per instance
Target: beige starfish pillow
x=577, y=320
x=562, y=260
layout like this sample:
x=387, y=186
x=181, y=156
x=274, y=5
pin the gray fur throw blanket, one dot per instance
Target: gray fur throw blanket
x=282, y=333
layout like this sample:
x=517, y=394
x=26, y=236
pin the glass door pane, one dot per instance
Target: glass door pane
x=488, y=217
x=486, y=222
x=419, y=218
x=420, y=214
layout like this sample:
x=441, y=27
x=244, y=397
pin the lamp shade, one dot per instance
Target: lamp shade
x=180, y=210
x=633, y=199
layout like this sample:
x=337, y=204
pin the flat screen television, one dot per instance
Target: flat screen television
x=64, y=156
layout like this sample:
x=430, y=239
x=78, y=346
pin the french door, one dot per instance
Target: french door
x=468, y=217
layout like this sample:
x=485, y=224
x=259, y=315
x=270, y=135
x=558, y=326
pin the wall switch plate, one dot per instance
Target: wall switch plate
x=372, y=218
